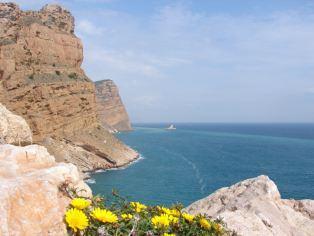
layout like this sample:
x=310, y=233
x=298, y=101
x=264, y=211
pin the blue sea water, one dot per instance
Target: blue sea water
x=196, y=159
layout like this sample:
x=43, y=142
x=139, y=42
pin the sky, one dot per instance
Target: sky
x=201, y=61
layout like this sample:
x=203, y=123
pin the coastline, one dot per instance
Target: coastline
x=138, y=157
x=200, y=161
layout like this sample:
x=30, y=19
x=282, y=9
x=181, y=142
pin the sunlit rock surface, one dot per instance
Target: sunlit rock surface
x=110, y=108
x=41, y=80
x=254, y=207
x=30, y=200
x=13, y=128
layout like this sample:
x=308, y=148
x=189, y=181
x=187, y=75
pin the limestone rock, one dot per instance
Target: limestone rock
x=111, y=110
x=13, y=128
x=100, y=150
x=40, y=74
x=31, y=202
x=254, y=207
x=41, y=80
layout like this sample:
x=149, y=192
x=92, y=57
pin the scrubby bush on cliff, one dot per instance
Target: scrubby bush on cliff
x=73, y=76
x=95, y=217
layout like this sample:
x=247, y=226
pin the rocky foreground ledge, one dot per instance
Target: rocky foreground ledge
x=254, y=207
x=31, y=200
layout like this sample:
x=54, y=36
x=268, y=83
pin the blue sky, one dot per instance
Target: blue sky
x=201, y=61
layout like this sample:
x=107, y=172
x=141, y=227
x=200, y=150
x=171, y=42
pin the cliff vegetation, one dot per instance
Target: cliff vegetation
x=95, y=217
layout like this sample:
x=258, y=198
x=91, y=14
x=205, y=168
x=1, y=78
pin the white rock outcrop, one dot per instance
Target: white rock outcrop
x=254, y=207
x=13, y=128
x=31, y=202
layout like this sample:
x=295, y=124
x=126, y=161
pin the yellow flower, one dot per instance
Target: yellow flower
x=80, y=203
x=166, y=234
x=76, y=219
x=161, y=221
x=138, y=207
x=175, y=212
x=164, y=210
x=126, y=216
x=217, y=227
x=188, y=217
x=104, y=216
x=173, y=219
x=204, y=223
x=168, y=211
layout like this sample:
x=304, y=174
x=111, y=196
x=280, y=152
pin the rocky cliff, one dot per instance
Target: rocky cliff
x=254, y=207
x=110, y=108
x=41, y=80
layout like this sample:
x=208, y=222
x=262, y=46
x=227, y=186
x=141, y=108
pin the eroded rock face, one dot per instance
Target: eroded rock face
x=40, y=74
x=31, y=202
x=13, y=128
x=41, y=80
x=111, y=110
x=91, y=150
x=254, y=207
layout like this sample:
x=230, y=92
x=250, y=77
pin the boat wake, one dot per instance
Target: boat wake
x=195, y=169
x=197, y=173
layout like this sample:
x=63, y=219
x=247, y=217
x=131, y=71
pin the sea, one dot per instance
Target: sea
x=193, y=161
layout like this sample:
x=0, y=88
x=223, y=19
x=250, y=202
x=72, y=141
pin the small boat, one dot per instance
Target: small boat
x=171, y=127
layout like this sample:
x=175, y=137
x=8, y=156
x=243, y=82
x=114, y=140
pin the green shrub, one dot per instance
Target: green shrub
x=73, y=76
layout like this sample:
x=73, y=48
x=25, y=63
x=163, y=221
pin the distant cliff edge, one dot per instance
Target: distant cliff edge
x=41, y=79
x=110, y=108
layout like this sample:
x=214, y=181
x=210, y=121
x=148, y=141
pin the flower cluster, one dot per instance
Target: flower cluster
x=94, y=217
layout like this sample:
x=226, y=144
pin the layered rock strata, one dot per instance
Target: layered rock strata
x=254, y=207
x=40, y=74
x=41, y=80
x=110, y=108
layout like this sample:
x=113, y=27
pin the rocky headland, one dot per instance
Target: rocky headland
x=41, y=80
x=110, y=108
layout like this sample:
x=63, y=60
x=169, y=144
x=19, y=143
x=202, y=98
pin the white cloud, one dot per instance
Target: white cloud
x=125, y=61
x=87, y=27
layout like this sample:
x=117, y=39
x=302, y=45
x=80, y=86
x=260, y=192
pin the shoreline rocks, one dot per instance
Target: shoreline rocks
x=254, y=207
